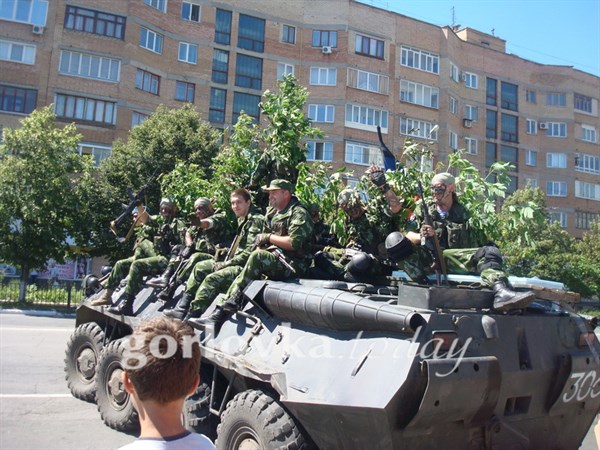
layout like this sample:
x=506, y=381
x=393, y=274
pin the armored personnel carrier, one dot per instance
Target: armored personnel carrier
x=387, y=365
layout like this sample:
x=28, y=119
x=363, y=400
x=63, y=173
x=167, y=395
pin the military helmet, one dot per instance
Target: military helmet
x=349, y=198
x=91, y=285
x=359, y=264
x=398, y=246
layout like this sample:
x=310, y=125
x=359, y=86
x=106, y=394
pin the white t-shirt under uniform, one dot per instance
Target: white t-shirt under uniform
x=184, y=441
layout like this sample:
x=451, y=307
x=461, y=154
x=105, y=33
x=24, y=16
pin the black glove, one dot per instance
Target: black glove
x=262, y=239
x=377, y=177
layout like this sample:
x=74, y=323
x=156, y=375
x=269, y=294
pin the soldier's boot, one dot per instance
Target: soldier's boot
x=506, y=299
x=125, y=307
x=214, y=321
x=181, y=309
x=167, y=293
x=161, y=281
x=104, y=299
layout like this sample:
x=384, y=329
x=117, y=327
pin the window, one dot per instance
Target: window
x=556, y=129
x=84, y=108
x=531, y=126
x=512, y=184
x=147, y=81
x=319, y=151
x=583, y=103
x=190, y=11
x=363, y=154
x=584, y=219
x=17, y=52
x=509, y=96
x=588, y=133
x=556, y=160
x=161, y=5
x=150, y=40
x=321, y=113
x=531, y=158
x=245, y=103
x=288, y=34
x=366, y=118
x=96, y=22
x=248, y=72
x=454, y=73
x=216, y=112
x=471, y=113
x=185, y=92
x=89, y=66
x=509, y=130
x=452, y=140
x=491, y=128
x=322, y=38
x=530, y=96
x=27, y=11
x=368, y=81
x=558, y=216
x=420, y=59
x=471, y=146
x=509, y=154
x=419, y=94
x=323, y=76
x=223, y=27
x=284, y=69
x=555, y=99
x=490, y=154
x=589, y=191
x=367, y=46
x=251, y=33
x=137, y=118
x=531, y=182
x=491, y=87
x=188, y=53
x=471, y=80
x=17, y=100
x=220, y=66
x=97, y=152
x=587, y=163
x=452, y=105
x=418, y=128
x=556, y=189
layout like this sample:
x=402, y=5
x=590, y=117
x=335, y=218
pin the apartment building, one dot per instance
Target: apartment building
x=107, y=65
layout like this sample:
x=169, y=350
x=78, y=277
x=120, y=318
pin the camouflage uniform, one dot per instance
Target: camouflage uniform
x=293, y=221
x=208, y=284
x=459, y=246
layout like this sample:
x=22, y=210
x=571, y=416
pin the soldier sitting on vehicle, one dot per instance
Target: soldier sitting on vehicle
x=149, y=260
x=206, y=239
x=210, y=277
x=362, y=256
x=460, y=251
x=283, y=249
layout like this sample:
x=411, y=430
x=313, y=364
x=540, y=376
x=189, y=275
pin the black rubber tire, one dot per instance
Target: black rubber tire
x=81, y=360
x=114, y=403
x=197, y=416
x=255, y=420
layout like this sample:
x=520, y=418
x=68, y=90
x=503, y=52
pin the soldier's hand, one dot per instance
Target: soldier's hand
x=427, y=231
x=262, y=239
x=186, y=252
x=377, y=177
x=218, y=265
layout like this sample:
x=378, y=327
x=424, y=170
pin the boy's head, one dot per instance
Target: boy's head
x=162, y=362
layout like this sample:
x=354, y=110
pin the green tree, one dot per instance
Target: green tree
x=40, y=192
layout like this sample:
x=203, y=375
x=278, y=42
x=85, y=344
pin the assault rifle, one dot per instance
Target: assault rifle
x=136, y=200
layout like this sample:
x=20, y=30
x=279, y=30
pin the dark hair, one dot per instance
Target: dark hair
x=241, y=192
x=164, y=379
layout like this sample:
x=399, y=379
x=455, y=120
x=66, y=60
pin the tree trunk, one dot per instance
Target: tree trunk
x=23, y=283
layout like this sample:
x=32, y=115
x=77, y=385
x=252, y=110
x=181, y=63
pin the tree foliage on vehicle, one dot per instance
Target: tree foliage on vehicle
x=41, y=194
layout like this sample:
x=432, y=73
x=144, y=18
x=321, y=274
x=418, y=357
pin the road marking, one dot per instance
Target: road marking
x=35, y=395
x=35, y=329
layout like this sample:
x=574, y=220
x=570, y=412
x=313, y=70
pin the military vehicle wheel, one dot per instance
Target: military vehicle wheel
x=253, y=420
x=114, y=403
x=196, y=412
x=81, y=360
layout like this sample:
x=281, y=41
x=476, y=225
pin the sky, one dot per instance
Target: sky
x=560, y=32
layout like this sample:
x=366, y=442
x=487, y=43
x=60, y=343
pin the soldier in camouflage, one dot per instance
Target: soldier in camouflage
x=461, y=252
x=287, y=236
x=211, y=277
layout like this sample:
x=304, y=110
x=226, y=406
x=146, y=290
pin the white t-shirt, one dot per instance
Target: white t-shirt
x=184, y=441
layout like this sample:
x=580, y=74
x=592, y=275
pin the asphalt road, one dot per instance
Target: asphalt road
x=36, y=407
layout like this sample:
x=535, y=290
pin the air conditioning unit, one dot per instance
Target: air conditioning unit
x=467, y=123
x=37, y=29
x=543, y=126
x=326, y=50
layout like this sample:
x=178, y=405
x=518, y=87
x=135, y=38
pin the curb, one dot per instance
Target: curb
x=38, y=313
